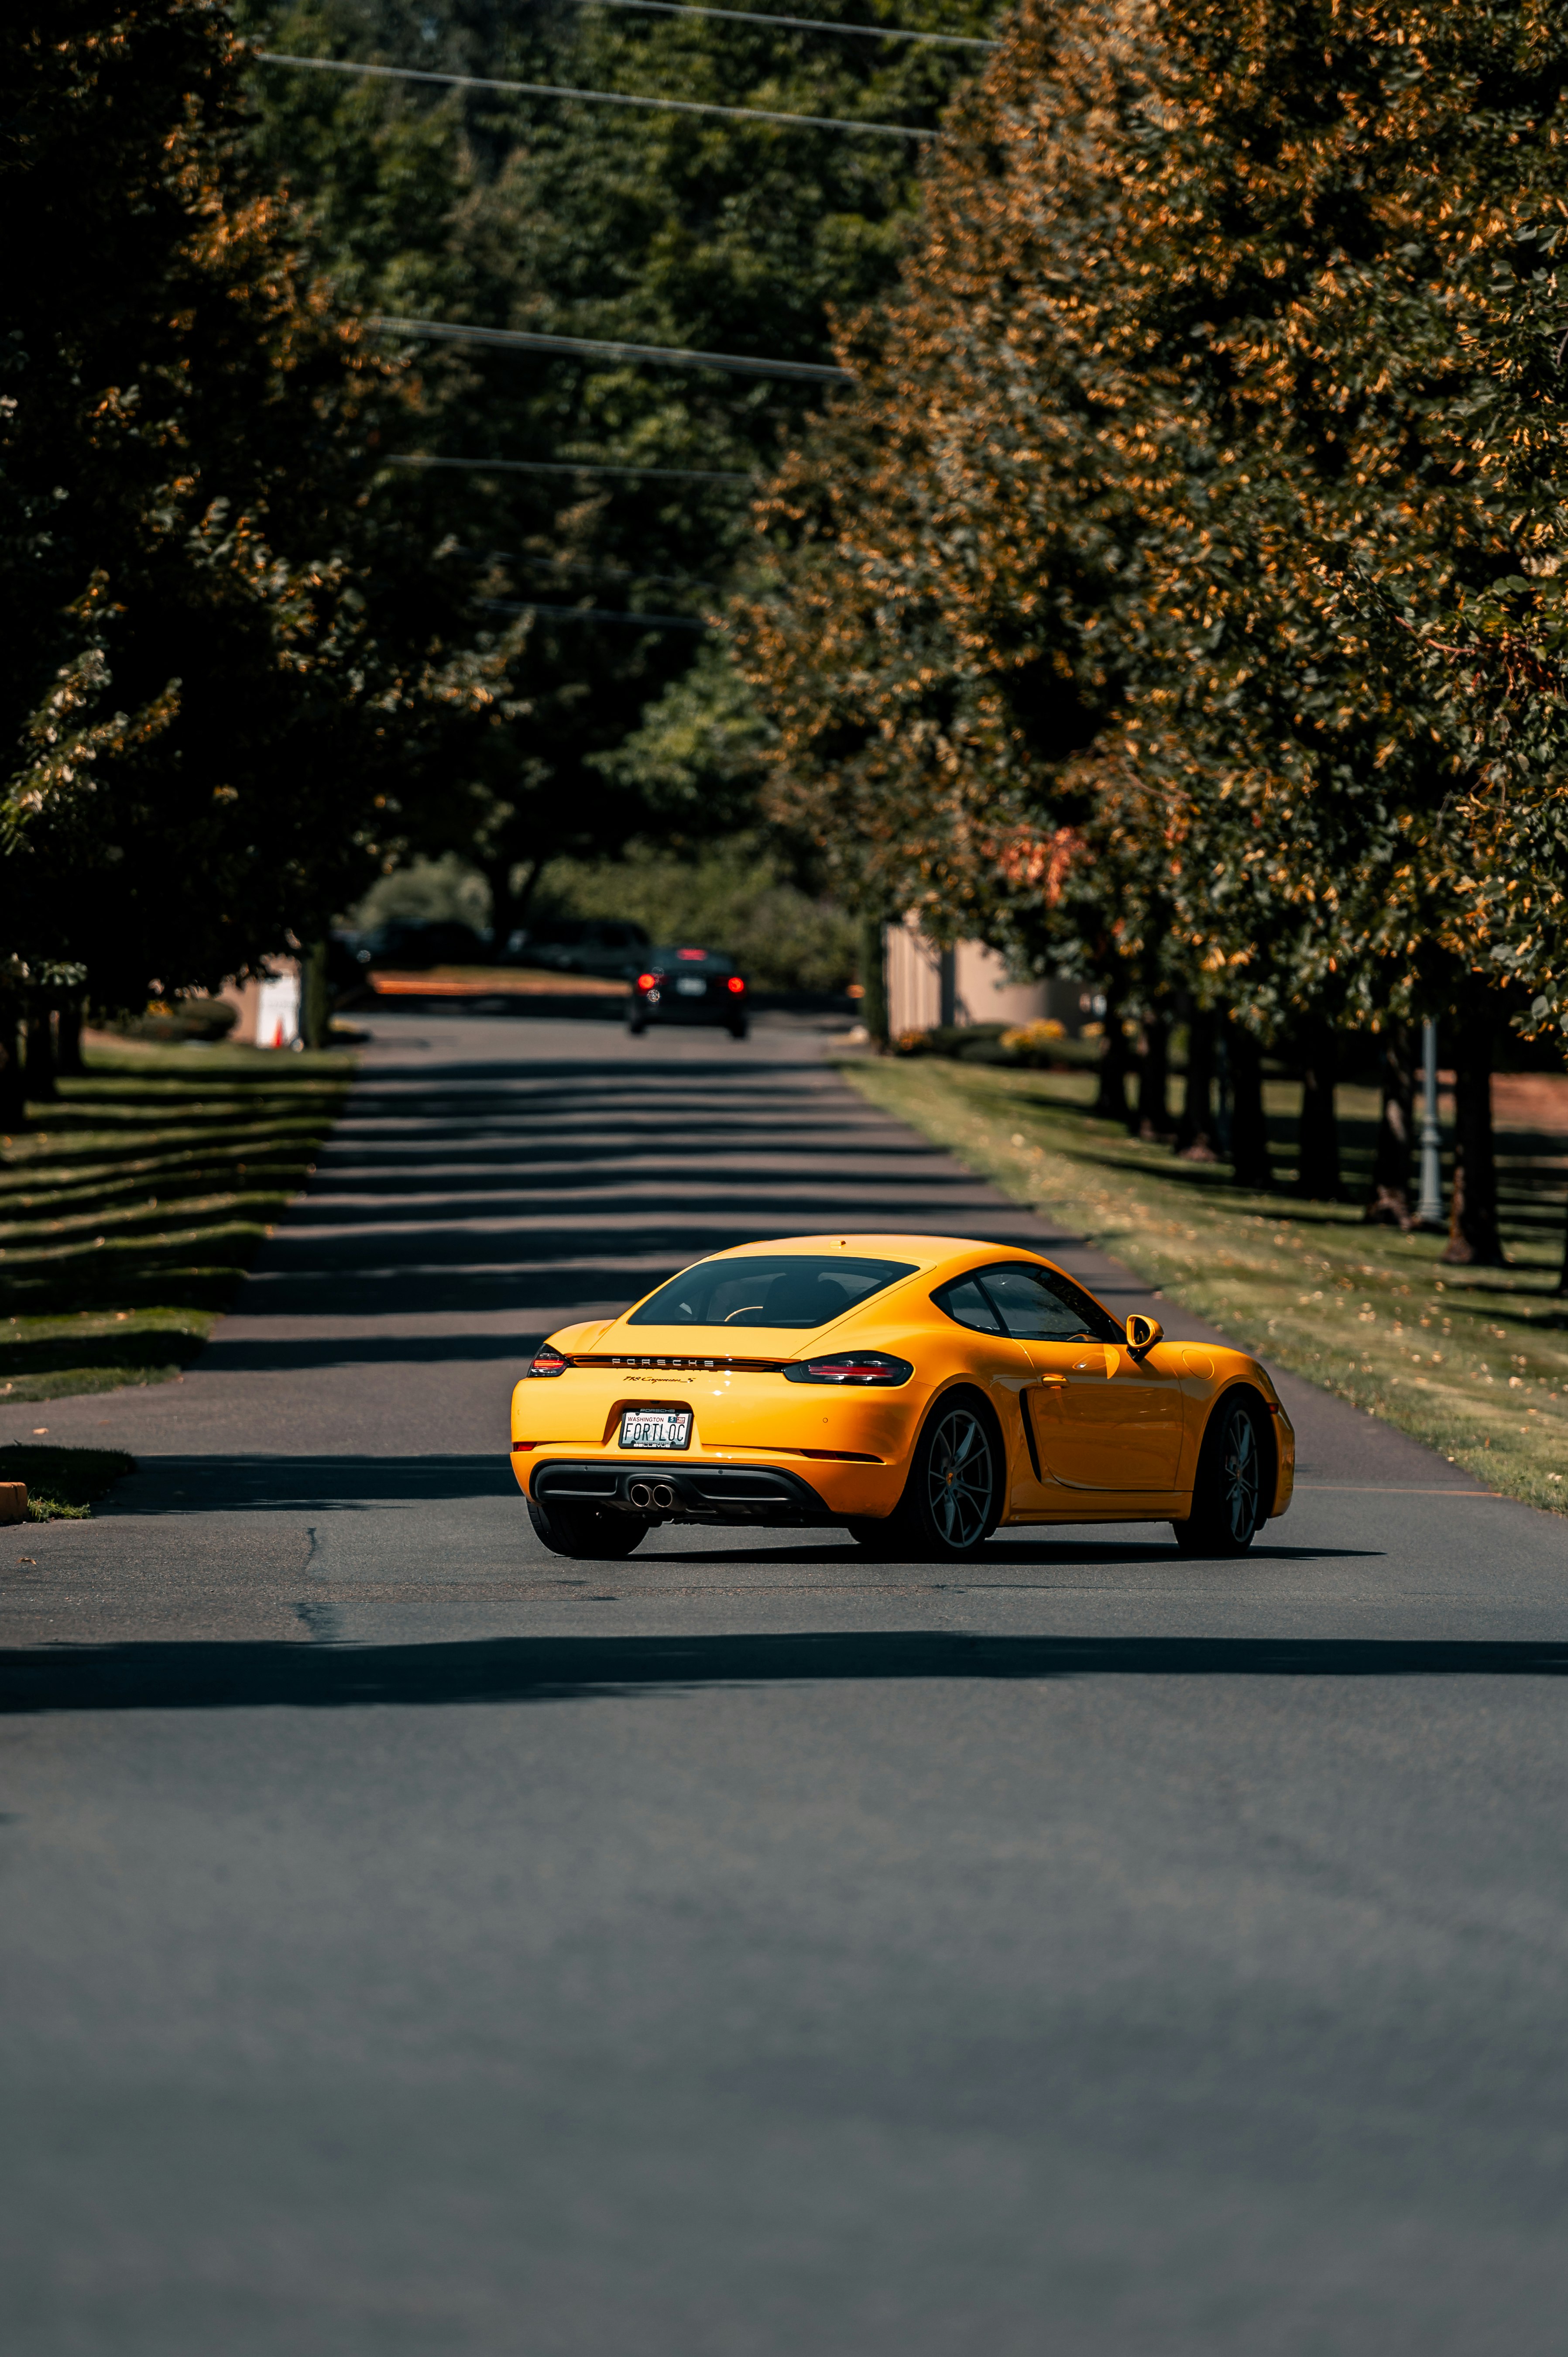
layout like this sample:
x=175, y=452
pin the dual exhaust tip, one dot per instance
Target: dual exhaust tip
x=651, y=1497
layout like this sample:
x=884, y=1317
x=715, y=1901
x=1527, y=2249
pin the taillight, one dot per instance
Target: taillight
x=646, y=980
x=861, y=1367
x=549, y=1361
x=735, y=984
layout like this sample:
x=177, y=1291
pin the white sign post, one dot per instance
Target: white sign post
x=277, y=1011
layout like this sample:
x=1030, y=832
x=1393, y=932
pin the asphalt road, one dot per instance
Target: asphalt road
x=413, y=1943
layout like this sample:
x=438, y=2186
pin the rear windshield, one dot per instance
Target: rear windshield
x=692, y=959
x=803, y=1290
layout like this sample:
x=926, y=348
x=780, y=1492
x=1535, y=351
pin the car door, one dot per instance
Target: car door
x=1102, y=1419
x=1007, y=1372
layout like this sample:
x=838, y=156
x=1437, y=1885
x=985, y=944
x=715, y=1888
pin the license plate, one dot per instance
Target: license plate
x=656, y=1427
x=690, y=987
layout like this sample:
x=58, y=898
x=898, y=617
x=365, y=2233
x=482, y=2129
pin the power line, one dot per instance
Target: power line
x=662, y=355
x=803, y=24
x=595, y=614
x=602, y=97
x=562, y=466
x=599, y=565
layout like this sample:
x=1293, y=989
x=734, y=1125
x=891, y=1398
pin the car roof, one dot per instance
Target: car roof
x=925, y=1256
x=925, y=1251
x=688, y=955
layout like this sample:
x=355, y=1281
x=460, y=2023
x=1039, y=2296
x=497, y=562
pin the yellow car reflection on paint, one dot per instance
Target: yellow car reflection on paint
x=917, y=1391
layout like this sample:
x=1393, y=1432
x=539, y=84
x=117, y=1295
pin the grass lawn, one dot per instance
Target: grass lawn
x=1473, y=1362
x=129, y=1214
x=63, y=1484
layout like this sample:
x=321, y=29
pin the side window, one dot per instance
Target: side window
x=965, y=1303
x=1038, y=1306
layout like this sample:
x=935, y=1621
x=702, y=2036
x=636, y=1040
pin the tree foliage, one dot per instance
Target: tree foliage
x=579, y=220
x=1104, y=618
x=203, y=691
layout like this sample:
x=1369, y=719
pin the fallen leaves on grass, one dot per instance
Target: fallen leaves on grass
x=1451, y=1356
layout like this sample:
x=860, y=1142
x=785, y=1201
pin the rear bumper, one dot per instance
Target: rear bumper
x=652, y=1489
x=695, y=1011
x=1284, y=1455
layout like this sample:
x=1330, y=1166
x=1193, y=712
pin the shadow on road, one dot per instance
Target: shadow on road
x=208, y=1485
x=511, y=1670
x=1072, y=1551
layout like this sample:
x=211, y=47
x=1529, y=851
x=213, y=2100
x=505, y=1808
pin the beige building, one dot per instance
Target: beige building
x=966, y=983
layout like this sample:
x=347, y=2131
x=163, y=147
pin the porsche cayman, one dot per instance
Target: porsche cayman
x=915, y=1391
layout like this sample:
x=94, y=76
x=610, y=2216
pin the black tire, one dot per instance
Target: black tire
x=1230, y=1494
x=953, y=1500
x=586, y=1531
x=739, y=1030
x=637, y=1025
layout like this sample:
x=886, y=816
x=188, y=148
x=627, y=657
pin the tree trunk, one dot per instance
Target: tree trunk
x=40, y=1066
x=68, y=1040
x=1110, y=1102
x=315, y=999
x=13, y=1092
x=1474, y=1239
x=522, y=901
x=503, y=908
x=1153, y=1118
x=509, y=906
x=1317, y=1136
x=1389, y=1205
x=874, y=979
x=1251, y=1165
x=1196, y=1136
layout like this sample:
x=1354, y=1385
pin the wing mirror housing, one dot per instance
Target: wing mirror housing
x=1143, y=1333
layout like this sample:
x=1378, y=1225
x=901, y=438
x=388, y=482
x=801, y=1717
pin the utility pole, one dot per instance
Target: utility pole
x=1429, y=1211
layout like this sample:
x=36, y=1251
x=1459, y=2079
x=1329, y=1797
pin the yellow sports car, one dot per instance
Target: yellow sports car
x=917, y=1391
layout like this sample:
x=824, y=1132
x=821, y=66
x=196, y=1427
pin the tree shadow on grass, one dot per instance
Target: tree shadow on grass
x=142, y=1355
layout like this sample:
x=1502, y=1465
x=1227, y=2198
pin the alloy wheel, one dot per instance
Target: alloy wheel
x=1241, y=1476
x=959, y=1478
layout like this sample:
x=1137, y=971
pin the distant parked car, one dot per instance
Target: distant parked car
x=688, y=985
x=418, y=942
x=609, y=946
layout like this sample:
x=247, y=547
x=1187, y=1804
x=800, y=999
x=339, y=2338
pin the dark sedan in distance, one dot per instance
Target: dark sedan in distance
x=688, y=985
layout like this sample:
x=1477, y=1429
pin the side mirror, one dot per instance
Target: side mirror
x=1143, y=1333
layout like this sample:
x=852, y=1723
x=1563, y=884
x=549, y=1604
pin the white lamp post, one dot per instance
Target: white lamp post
x=1429, y=1211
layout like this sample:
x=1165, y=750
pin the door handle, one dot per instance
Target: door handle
x=1052, y=1383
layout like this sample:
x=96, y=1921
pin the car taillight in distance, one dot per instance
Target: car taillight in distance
x=863, y=1369
x=646, y=980
x=549, y=1361
x=735, y=984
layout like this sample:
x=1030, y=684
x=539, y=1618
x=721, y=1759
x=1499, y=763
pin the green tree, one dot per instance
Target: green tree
x=214, y=622
x=580, y=220
x=1188, y=349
